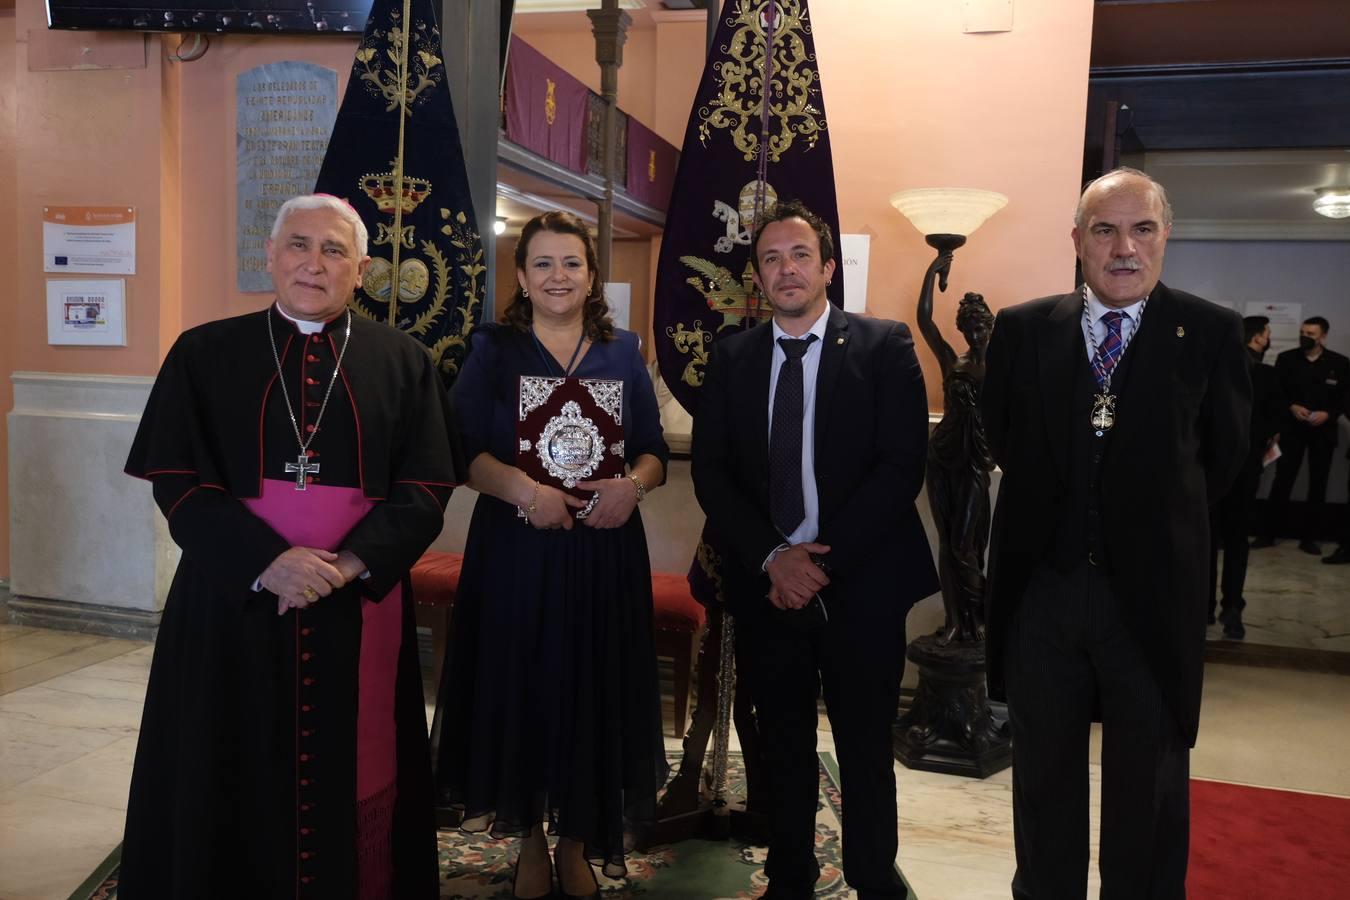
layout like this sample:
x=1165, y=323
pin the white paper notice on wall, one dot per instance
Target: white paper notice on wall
x=982, y=16
x=87, y=312
x=1285, y=319
x=853, y=252
x=619, y=296
x=98, y=240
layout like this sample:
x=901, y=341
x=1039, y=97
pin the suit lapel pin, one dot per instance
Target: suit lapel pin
x=1181, y=332
x=839, y=340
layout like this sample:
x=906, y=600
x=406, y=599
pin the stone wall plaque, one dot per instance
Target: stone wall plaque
x=284, y=114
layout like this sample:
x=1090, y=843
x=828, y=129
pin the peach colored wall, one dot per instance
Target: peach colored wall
x=8, y=184
x=913, y=102
x=680, y=50
x=88, y=137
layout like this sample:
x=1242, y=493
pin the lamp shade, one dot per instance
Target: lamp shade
x=1334, y=203
x=948, y=210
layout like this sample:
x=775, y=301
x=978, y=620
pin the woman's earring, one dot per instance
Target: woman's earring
x=524, y=293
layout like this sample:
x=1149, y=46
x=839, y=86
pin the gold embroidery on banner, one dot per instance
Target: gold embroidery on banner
x=711, y=564
x=413, y=279
x=651, y=165
x=462, y=237
x=734, y=300
x=695, y=343
x=383, y=47
x=551, y=102
x=384, y=189
x=739, y=104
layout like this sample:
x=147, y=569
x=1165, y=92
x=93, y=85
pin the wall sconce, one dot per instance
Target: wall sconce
x=499, y=226
x=1334, y=203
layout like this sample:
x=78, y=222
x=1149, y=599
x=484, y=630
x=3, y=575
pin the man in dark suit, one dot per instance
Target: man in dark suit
x=1118, y=413
x=808, y=453
x=1231, y=516
x=1315, y=382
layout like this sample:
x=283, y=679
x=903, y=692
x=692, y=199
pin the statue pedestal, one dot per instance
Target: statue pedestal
x=950, y=728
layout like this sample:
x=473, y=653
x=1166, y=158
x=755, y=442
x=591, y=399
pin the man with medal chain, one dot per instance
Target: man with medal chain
x=1118, y=414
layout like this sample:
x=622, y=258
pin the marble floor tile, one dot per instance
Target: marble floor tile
x=40, y=644
x=8, y=631
x=1275, y=728
x=100, y=778
x=77, y=657
x=49, y=845
x=68, y=709
x=133, y=668
x=29, y=748
x=1294, y=601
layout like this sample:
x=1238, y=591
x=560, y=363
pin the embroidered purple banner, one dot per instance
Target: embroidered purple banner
x=736, y=160
x=651, y=166
x=545, y=107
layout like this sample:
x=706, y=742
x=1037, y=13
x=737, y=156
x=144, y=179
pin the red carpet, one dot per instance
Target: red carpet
x=1249, y=843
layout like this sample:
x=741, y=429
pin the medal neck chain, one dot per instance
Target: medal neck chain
x=281, y=378
x=549, y=361
x=1137, y=319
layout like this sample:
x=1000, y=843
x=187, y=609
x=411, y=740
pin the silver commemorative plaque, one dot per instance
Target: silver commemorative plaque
x=570, y=446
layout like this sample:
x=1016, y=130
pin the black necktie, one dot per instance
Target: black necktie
x=787, y=508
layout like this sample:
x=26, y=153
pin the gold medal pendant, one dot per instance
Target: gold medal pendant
x=1103, y=412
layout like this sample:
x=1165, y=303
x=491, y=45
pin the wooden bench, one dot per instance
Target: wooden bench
x=678, y=619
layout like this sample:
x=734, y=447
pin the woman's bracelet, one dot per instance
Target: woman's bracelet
x=523, y=512
x=641, y=488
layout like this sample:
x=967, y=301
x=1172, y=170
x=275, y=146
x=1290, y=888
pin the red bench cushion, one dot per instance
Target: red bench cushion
x=435, y=578
x=675, y=607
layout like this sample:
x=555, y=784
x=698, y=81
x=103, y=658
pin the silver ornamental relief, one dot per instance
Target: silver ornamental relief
x=616, y=448
x=570, y=446
x=535, y=391
x=607, y=394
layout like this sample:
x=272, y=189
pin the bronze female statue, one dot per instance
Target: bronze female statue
x=959, y=461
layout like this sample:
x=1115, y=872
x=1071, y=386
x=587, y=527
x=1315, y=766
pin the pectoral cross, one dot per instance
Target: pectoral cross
x=301, y=467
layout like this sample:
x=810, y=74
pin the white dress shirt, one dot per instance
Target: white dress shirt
x=1094, y=329
x=809, y=529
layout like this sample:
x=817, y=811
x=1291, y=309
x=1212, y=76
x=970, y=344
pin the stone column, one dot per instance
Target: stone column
x=610, y=26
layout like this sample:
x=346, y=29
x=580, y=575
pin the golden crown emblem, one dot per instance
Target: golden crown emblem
x=381, y=189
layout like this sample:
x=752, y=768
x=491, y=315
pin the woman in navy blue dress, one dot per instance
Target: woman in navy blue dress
x=549, y=705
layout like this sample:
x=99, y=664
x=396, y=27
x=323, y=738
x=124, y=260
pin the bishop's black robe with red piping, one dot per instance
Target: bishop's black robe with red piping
x=245, y=781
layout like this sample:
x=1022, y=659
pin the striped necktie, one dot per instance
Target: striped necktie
x=1109, y=350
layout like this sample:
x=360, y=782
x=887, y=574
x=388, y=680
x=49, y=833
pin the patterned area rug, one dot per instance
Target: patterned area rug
x=475, y=867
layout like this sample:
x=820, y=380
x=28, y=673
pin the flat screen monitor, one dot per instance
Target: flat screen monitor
x=240, y=16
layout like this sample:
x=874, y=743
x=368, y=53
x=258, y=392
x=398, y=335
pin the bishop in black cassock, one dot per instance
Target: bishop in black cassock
x=303, y=459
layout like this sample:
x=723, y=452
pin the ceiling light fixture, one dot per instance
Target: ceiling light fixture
x=1334, y=203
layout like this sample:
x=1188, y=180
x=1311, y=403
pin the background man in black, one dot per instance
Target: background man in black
x=1314, y=381
x=1232, y=515
x=808, y=453
x=1100, y=538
